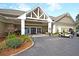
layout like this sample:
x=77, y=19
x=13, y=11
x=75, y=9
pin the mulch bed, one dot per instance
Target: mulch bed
x=10, y=51
x=2, y=39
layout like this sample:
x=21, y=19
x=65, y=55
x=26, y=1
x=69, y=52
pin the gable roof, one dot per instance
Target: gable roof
x=36, y=13
x=55, y=19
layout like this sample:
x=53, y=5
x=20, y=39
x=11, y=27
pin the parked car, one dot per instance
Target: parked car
x=77, y=33
x=68, y=35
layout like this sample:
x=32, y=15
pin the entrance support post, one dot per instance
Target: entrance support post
x=54, y=28
x=22, y=26
x=49, y=27
x=23, y=18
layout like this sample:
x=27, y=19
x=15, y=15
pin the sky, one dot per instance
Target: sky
x=52, y=9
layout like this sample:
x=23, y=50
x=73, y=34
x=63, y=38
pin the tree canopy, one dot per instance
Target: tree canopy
x=77, y=17
x=77, y=22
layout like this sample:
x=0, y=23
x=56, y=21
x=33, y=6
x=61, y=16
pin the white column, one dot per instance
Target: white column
x=49, y=27
x=54, y=28
x=59, y=28
x=29, y=30
x=22, y=17
x=36, y=30
x=22, y=26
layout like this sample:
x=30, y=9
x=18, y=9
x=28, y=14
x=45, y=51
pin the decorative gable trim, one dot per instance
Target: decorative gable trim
x=37, y=13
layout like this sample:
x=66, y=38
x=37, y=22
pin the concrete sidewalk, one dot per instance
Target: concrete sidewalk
x=39, y=35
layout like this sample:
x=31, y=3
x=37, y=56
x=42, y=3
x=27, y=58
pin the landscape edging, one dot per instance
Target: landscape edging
x=23, y=49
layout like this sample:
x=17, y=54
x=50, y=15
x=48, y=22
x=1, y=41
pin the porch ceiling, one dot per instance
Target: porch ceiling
x=35, y=20
x=33, y=23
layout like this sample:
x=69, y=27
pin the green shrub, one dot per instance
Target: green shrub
x=24, y=38
x=55, y=33
x=12, y=41
x=3, y=46
x=11, y=36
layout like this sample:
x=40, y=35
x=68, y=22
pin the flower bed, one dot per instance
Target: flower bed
x=14, y=44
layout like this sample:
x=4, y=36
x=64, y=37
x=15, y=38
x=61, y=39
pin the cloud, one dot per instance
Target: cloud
x=54, y=6
x=26, y=7
x=20, y=6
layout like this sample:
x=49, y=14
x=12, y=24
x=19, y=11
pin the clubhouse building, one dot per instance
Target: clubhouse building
x=35, y=21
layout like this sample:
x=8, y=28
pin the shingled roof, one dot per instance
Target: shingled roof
x=10, y=16
x=11, y=12
x=60, y=17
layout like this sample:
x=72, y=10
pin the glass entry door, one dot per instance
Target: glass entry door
x=39, y=30
x=33, y=30
x=26, y=30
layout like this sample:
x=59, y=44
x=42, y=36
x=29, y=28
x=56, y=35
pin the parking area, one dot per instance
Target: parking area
x=53, y=46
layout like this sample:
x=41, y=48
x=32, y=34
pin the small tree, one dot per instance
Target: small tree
x=77, y=22
x=77, y=17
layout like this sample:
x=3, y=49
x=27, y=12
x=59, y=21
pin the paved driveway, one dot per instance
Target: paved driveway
x=53, y=46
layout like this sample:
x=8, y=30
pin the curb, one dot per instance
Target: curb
x=23, y=49
x=41, y=36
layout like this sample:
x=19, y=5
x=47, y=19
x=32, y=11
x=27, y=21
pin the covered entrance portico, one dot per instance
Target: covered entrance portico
x=35, y=21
